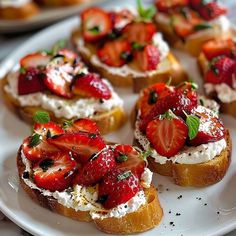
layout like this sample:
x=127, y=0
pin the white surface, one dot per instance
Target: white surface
x=195, y=219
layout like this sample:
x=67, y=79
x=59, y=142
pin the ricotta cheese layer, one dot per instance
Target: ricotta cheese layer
x=13, y=3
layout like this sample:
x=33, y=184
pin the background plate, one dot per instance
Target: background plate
x=205, y=211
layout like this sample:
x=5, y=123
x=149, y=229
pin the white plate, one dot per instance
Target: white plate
x=196, y=218
x=45, y=17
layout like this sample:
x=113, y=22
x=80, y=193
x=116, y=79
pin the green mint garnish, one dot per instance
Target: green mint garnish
x=202, y=26
x=146, y=154
x=41, y=117
x=46, y=51
x=124, y=175
x=95, y=29
x=59, y=45
x=137, y=46
x=201, y=101
x=35, y=139
x=168, y=83
x=145, y=13
x=22, y=70
x=152, y=99
x=121, y=157
x=193, y=124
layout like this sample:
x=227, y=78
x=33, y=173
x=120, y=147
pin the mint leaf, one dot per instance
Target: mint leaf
x=59, y=45
x=121, y=157
x=22, y=70
x=124, y=175
x=34, y=140
x=168, y=83
x=202, y=26
x=145, y=14
x=137, y=46
x=95, y=30
x=41, y=117
x=193, y=124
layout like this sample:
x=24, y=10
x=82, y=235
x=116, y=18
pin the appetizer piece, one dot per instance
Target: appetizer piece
x=185, y=139
x=126, y=47
x=71, y=170
x=218, y=66
x=187, y=24
x=58, y=82
x=61, y=3
x=17, y=9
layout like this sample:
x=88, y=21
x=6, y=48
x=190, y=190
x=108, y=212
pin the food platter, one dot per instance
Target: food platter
x=187, y=211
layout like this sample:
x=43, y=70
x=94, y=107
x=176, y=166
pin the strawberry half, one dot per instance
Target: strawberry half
x=139, y=32
x=219, y=47
x=165, y=5
x=129, y=159
x=30, y=81
x=55, y=173
x=96, y=23
x=91, y=85
x=212, y=10
x=82, y=143
x=221, y=71
x=48, y=129
x=148, y=58
x=97, y=167
x=115, y=53
x=85, y=125
x=35, y=60
x=118, y=187
x=167, y=135
x=211, y=128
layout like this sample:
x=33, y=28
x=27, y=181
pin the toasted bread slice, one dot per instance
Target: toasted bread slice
x=106, y=121
x=15, y=13
x=58, y=3
x=227, y=108
x=169, y=67
x=147, y=217
x=194, y=42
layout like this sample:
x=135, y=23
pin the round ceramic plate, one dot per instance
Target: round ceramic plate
x=202, y=211
x=45, y=17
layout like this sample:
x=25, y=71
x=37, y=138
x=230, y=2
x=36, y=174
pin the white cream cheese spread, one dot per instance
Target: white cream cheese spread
x=67, y=108
x=188, y=155
x=13, y=3
x=82, y=198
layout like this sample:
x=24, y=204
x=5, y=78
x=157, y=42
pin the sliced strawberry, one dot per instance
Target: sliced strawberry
x=129, y=159
x=221, y=71
x=85, y=125
x=149, y=58
x=96, y=24
x=30, y=81
x=35, y=151
x=167, y=135
x=82, y=143
x=35, y=60
x=48, y=129
x=121, y=18
x=150, y=96
x=212, y=10
x=211, y=128
x=97, y=167
x=219, y=47
x=196, y=4
x=59, y=76
x=118, y=187
x=115, y=53
x=91, y=85
x=166, y=5
x=69, y=55
x=178, y=101
x=139, y=32
x=55, y=173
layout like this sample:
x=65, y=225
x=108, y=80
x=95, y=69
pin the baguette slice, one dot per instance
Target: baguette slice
x=147, y=217
x=195, y=175
x=169, y=67
x=106, y=121
x=227, y=108
x=193, y=43
x=15, y=13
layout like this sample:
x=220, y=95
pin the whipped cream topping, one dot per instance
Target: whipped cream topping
x=13, y=3
x=224, y=92
x=187, y=155
x=82, y=198
x=67, y=108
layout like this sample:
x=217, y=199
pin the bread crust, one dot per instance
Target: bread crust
x=107, y=121
x=193, y=44
x=59, y=3
x=170, y=67
x=226, y=108
x=14, y=13
x=148, y=216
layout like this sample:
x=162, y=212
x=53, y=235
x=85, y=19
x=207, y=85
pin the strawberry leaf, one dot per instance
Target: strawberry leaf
x=41, y=117
x=193, y=123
